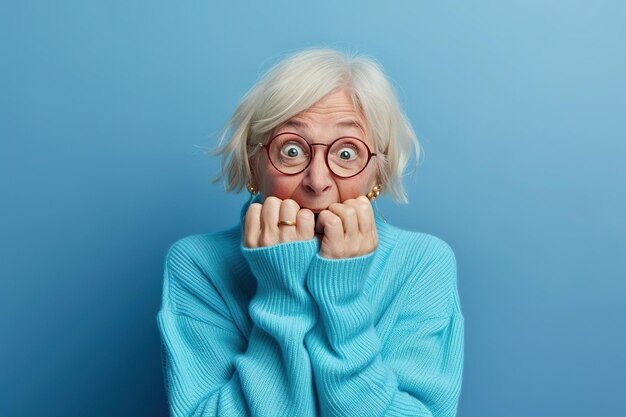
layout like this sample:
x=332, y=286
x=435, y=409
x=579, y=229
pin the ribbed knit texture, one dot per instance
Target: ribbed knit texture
x=281, y=331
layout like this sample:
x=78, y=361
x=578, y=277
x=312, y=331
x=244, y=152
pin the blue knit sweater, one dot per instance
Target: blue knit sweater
x=281, y=331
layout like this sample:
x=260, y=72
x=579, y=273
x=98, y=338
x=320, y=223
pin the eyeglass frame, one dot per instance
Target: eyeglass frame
x=328, y=146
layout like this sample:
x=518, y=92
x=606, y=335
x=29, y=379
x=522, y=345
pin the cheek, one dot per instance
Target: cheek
x=272, y=182
x=354, y=187
x=279, y=185
x=359, y=185
x=349, y=189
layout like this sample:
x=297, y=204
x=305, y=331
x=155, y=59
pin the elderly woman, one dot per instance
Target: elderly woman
x=313, y=305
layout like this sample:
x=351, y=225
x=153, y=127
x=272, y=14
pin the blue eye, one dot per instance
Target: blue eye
x=347, y=154
x=292, y=150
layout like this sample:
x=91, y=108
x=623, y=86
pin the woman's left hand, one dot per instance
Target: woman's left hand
x=348, y=229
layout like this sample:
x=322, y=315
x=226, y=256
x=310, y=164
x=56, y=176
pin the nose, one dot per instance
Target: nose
x=318, y=177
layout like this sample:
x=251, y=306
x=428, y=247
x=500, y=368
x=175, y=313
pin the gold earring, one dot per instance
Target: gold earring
x=374, y=192
x=252, y=189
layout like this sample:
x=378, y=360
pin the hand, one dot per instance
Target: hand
x=261, y=223
x=348, y=228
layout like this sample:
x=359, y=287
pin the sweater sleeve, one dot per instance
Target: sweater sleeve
x=417, y=372
x=211, y=370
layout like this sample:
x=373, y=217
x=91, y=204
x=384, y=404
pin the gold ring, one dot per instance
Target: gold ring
x=286, y=222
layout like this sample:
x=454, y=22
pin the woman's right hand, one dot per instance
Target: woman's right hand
x=261, y=227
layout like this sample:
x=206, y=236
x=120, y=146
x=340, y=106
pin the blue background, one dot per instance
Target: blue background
x=106, y=112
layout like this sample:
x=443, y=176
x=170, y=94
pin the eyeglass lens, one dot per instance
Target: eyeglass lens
x=291, y=154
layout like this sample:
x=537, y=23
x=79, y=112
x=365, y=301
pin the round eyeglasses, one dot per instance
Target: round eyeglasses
x=291, y=154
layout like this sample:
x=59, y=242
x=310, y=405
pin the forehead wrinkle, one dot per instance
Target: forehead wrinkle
x=305, y=126
x=351, y=122
x=298, y=124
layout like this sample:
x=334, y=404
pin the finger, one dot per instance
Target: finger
x=367, y=223
x=269, y=221
x=305, y=224
x=349, y=220
x=287, y=212
x=252, y=226
x=365, y=214
x=367, y=239
x=332, y=242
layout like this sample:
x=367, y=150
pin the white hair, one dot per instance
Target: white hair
x=294, y=85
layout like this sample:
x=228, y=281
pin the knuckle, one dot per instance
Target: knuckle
x=365, y=203
x=333, y=221
x=350, y=211
x=253, y=210
x=289, y=203
x=364, y=208
x=305, y=214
